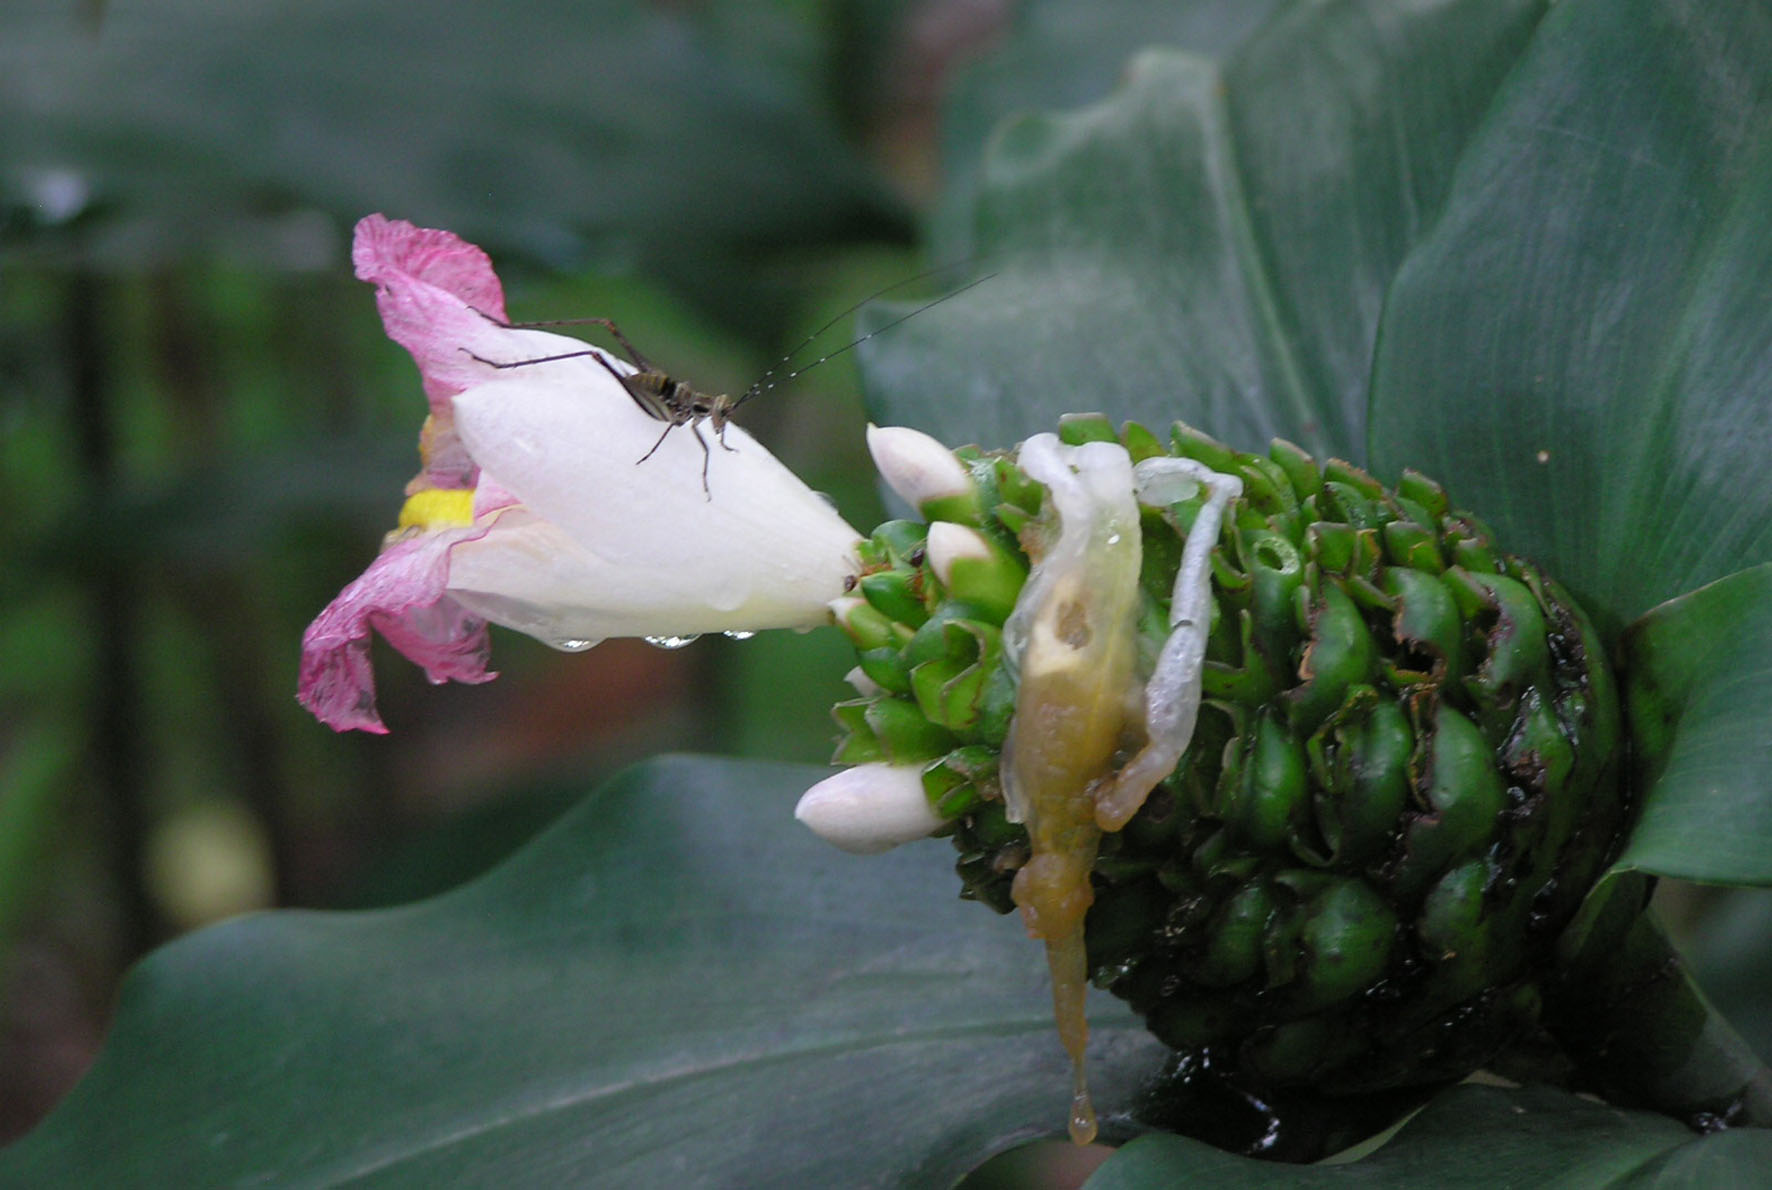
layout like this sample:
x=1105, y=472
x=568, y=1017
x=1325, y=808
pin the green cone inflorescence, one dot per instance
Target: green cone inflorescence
x=1403, y=781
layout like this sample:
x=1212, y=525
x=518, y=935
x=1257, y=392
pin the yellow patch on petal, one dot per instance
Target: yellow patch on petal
x=438, y=508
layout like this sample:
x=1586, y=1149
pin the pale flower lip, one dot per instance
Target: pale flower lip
x=655, y=553
x=575, y=540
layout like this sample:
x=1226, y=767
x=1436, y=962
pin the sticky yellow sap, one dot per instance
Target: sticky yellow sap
x=1072, y=634
x=1059, y=746
x=1073, y=640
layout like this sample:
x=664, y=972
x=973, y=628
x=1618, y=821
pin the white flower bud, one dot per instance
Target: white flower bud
x=844, y=606
x=869, y=808
x=972, y=568
x=919, y=467
x=949, y=543
x=862, y=684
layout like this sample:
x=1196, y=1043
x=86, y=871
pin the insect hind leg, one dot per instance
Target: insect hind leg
x=608, y=324
x=541, y=359
x=667, y=433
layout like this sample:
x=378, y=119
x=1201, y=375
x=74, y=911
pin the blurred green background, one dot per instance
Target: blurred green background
x=204, y=433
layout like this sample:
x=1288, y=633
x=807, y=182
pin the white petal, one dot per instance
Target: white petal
x=625, y=547
x=869, y=808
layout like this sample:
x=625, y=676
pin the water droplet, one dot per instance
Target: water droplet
x=671, y=642
x=1082, y=1125
x=573, y=645
x=1113, y=539
x=735, y=634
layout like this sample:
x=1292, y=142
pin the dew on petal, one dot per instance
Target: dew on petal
x=573, y=645
x=737, y=634
x=671, y=642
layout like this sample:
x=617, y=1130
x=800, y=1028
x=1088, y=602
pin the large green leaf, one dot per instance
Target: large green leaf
x=1582, y=350
x=1700, y=687
x=677, y=985
x=1477, y=1137
x=1061, y=54
x=1731, y=961
x=1214, y=242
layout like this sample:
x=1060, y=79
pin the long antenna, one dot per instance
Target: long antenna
x=760, y=387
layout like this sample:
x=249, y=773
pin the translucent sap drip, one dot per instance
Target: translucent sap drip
x=1082, y=1123
x=671, y=642
x=1053, y=890
x=1068, y=961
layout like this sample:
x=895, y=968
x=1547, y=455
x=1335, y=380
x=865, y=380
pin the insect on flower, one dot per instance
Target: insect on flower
x=677, y=402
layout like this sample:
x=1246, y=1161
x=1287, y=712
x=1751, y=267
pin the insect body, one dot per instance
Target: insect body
x=658, y=394
x=672, y=401
x=678, y=403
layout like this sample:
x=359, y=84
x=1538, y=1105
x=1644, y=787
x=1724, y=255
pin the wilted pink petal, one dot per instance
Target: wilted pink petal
x=401, y=595
x=437, y=294
x=431, y=256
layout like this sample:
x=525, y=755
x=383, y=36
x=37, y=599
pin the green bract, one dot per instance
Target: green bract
x=1405, y=777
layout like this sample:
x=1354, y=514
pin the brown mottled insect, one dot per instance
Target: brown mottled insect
x=678, y=403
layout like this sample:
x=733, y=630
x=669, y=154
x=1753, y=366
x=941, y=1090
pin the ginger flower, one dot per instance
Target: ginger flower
x=533, y=509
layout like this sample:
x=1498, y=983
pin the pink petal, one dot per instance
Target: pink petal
x=402, y=596
x=436, y=293
x=384, y=247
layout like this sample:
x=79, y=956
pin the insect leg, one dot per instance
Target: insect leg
x=656, y=445
x=608, y=324
x=706, y=457
x=718, y=416
x=540, y=359
x=694, y=428
x=634, y=356
x=648, y=401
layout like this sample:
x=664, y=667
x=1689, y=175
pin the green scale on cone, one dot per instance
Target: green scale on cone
x=1403, y=781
